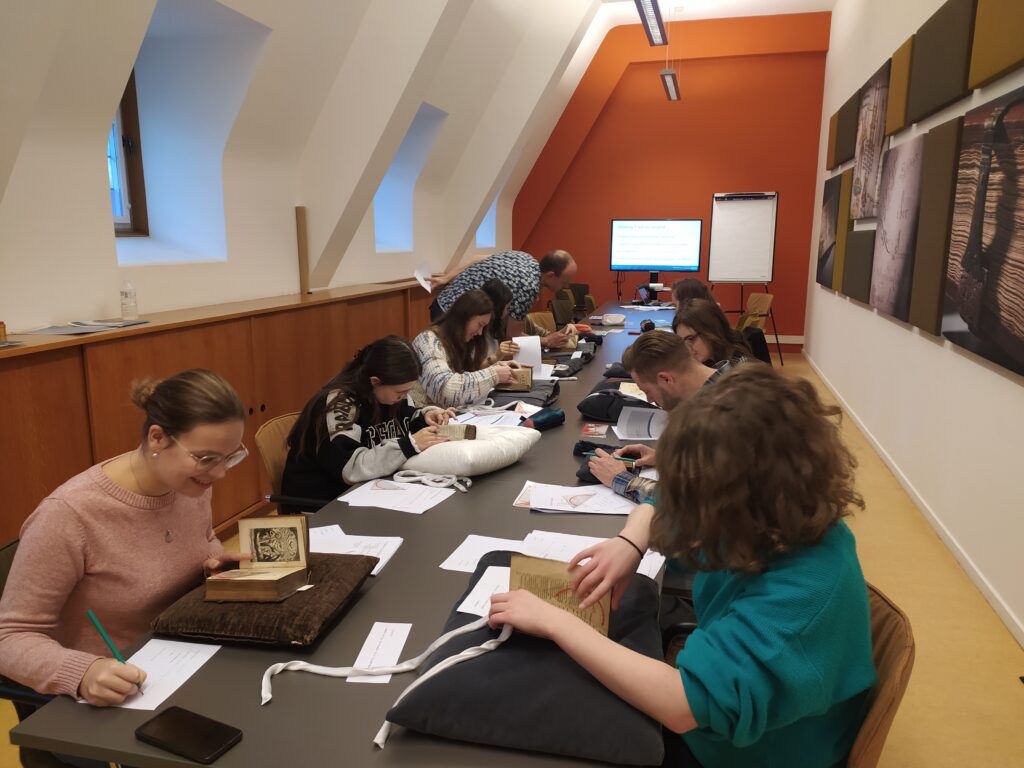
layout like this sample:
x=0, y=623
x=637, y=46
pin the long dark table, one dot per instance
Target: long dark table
x=314, y=720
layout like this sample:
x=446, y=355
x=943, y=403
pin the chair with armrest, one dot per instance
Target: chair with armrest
x=272, y=443
x=590, y=304
x=539, y=323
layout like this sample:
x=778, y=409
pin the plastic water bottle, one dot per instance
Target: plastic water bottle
x=129, y=306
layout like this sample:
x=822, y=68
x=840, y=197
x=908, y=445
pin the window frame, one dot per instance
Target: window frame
x=130, y=160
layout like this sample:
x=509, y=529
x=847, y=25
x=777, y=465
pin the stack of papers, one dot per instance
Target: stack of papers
x=401, y=497
x=585, y=499
x=511, y=416
x=546, y=544
x=641, y=423
x=331, y=539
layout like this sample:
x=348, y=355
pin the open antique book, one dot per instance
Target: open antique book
x=279, y=547
x=551, y=581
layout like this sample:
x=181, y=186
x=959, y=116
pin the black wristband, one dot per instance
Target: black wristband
x=634, y=546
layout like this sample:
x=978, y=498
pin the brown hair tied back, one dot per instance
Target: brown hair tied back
x=750, y=469
x=186, y=400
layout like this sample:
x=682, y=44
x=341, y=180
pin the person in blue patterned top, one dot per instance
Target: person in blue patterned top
x=523, y=275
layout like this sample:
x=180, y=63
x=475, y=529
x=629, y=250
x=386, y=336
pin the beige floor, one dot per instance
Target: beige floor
x=965, y=703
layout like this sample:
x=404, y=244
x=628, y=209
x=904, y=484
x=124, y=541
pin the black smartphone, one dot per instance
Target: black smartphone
x=188, y=734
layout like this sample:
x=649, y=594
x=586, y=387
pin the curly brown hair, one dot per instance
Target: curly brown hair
x=750, y=469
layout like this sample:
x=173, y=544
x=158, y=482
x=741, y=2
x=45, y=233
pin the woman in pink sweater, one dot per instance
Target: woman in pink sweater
x=125, y=538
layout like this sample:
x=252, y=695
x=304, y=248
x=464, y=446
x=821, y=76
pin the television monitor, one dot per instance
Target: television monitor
x=656, y=245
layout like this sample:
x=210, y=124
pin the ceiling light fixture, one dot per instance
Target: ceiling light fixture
x=668, y=79
x=650, y=15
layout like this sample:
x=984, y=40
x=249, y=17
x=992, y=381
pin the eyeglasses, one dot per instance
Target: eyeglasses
x=205, y=463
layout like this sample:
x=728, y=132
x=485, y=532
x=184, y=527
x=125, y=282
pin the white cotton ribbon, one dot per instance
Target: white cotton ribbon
x=406, y=666
x=433, y=480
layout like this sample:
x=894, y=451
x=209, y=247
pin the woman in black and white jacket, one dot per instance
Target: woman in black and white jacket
x=360, y=425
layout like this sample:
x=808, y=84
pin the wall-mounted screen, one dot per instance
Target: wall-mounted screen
x=656, y=245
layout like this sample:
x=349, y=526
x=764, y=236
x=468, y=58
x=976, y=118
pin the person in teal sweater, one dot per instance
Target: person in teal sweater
x=754, y=483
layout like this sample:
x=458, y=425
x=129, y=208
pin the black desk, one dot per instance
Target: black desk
x=314, y=721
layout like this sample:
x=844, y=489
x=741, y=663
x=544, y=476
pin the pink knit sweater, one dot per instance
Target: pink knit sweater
x=93, y=544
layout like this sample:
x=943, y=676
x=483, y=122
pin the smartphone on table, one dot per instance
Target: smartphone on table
x=191, y=735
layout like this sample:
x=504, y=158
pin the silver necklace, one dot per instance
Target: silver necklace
x=168, y=536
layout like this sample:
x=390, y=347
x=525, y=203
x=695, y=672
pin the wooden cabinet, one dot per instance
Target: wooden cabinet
x=111, y=367
x=67, y=402
x=45, y=435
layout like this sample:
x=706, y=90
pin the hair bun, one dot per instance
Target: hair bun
x=142, y=390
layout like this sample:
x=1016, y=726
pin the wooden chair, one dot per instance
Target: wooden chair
x=892, y=644
x=579, y=292
x=756, y=311
x=892, y=647
x=539, y=323
x=272, y=443
x=561, y=309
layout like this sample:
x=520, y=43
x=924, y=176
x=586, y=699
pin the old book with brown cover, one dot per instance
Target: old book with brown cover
x=523, y=381
x=279, y=551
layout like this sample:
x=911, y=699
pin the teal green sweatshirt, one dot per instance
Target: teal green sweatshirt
x=778, y=672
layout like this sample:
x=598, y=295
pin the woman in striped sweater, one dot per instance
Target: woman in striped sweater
x=453, y=352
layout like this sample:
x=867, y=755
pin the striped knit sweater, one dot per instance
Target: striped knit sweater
x=440, y=385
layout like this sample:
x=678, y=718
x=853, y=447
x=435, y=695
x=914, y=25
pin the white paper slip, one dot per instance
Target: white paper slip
x=545, y=371
x=650, y=473
x=523, y=499
x=494, y=580
x=576, y=355
x=382, y=648
x=329, y=538
x=525, y=409
x=422, y=275
x=401, y=497
x=641, y=423
x=167, y=664
x=467, y=555
x=529, y=351
x=590, y=499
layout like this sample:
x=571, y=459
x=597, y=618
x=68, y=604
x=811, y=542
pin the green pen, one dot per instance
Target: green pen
x=107, y=640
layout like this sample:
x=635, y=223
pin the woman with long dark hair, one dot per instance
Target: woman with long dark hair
x=703, y=325
x=453, y=353
x=359, y=425
x=499, y=347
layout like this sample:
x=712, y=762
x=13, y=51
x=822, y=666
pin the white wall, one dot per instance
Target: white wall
x=947, y=422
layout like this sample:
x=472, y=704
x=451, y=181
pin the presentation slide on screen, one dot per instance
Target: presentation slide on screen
x=656, y=244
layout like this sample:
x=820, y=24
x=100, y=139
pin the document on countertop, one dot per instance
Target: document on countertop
x=493, y=581
x=529, y=351
x=467, y=555
x=382, y=648
x=422, y=275
x=641, y=423
x=565, y=546
x=331, y=539
x=401, y=497
x=590, y=499
x=167, y=664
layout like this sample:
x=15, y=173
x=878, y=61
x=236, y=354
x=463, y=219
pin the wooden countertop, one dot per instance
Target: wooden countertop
x=177, y=318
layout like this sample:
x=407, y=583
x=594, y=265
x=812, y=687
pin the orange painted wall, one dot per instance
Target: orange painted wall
x=745, y=123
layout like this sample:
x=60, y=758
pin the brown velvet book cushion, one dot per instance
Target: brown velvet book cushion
x=299, y=620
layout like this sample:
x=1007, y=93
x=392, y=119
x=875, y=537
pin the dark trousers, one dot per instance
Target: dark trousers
x=677, y=754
